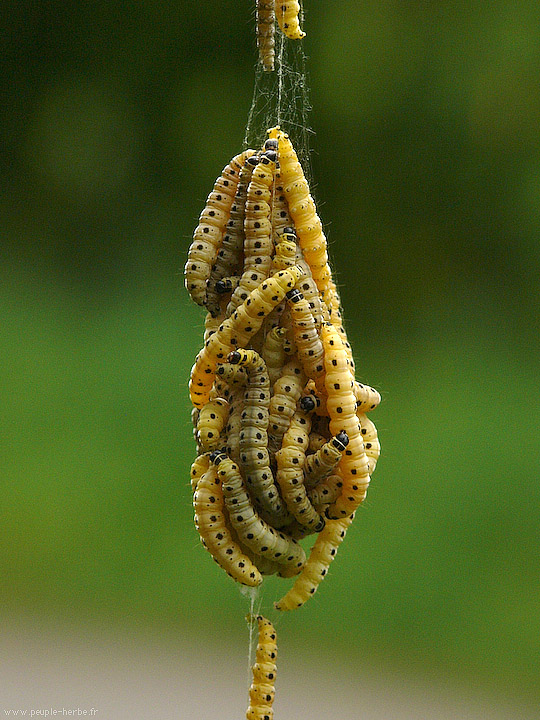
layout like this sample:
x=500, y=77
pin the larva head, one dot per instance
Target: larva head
x=268, y=157
x=308, y=403
x=224, y=285
x=294, y=296
x=235, y=357
x=253, y=161
x=271, y=144
x=340, y=441
x=217, y=456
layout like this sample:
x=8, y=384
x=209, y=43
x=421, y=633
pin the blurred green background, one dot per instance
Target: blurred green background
x=116, y=117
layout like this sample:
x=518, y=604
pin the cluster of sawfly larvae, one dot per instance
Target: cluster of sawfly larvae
x=287, y=16
x=285, y=448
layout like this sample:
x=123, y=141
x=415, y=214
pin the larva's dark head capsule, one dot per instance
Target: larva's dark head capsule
x=341, y=440
x=308, y=403
x=224, y=285
x=253, y=160
x=271, y=156
x=289, y=231
x=217, y=456
x=320, y=525
x=294, y=295
x=271, y=144
x=234, y=357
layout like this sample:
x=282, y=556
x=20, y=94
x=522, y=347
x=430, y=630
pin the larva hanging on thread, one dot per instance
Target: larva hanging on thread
x=254, y=457
x=212, y=419
x=229, y=257
x=216, y=536
x=251, y=529
x=322, y=553
x=341, y=408
x=290, y=473
x=287, y=14
x=261, y=692
x=266, y=20
x=237, y=330
x=209, y=232
x=258, y=245
x=308, y=343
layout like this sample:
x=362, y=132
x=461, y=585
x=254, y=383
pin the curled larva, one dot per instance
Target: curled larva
x=236, y=331
x=215, y=535
x=266, y=20
x=252, y=530
x=341, y=408
x=261, y=692
x=322, y=553
x=273, y=352
x=367, y=398
x=287, y=15
x=212, y=419
x=371, y=441
x=209, y=232
x=290, y=473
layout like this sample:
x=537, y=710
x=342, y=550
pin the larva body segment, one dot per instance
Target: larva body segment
x=285, y=255
x=273, y=352
x=308, y=343
x=323, y=462
x=252, y=530
x=371, y=441
x=215, y=535
x=367, y=398
x=281, y=218
x=266, y=20
x=236, y=331
x=212, y=419
x=325, y=492
x=287, y=15
x=258, y=245
x=253, y=440
x=341, y=407
x=209, y=232
x=261, y=692
x=198, y=467
x=286, y=393
x=322, y=553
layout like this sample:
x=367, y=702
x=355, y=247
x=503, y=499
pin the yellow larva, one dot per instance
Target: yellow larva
x=261, y=692
x=251, y=529
x=229, y=257
x=322, y=553
x=308, y=343
x=367, y=398
x=212, y=419
x=287, y=16
x=237, y=379
x=209, y=232
x=253, y=440
x=286, y=393
x=258, y=243
x=325, y=492
x=199, y=466
x=285, y=255
x=371, y=441
x=281, y=218
x=215, y=535
x=341, y=408
x=236, y=331
x=290, y=474
x=322, y=463
x=265, y=33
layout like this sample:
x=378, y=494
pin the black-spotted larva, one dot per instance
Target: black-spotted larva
x=215, y=535
x=306, y=338
x=212, y=419
x=322, y=553
x=261, y=692
x=209, y=232
x=286, y=393
x=287, y=15
x=323, y=462
x=252, y=530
